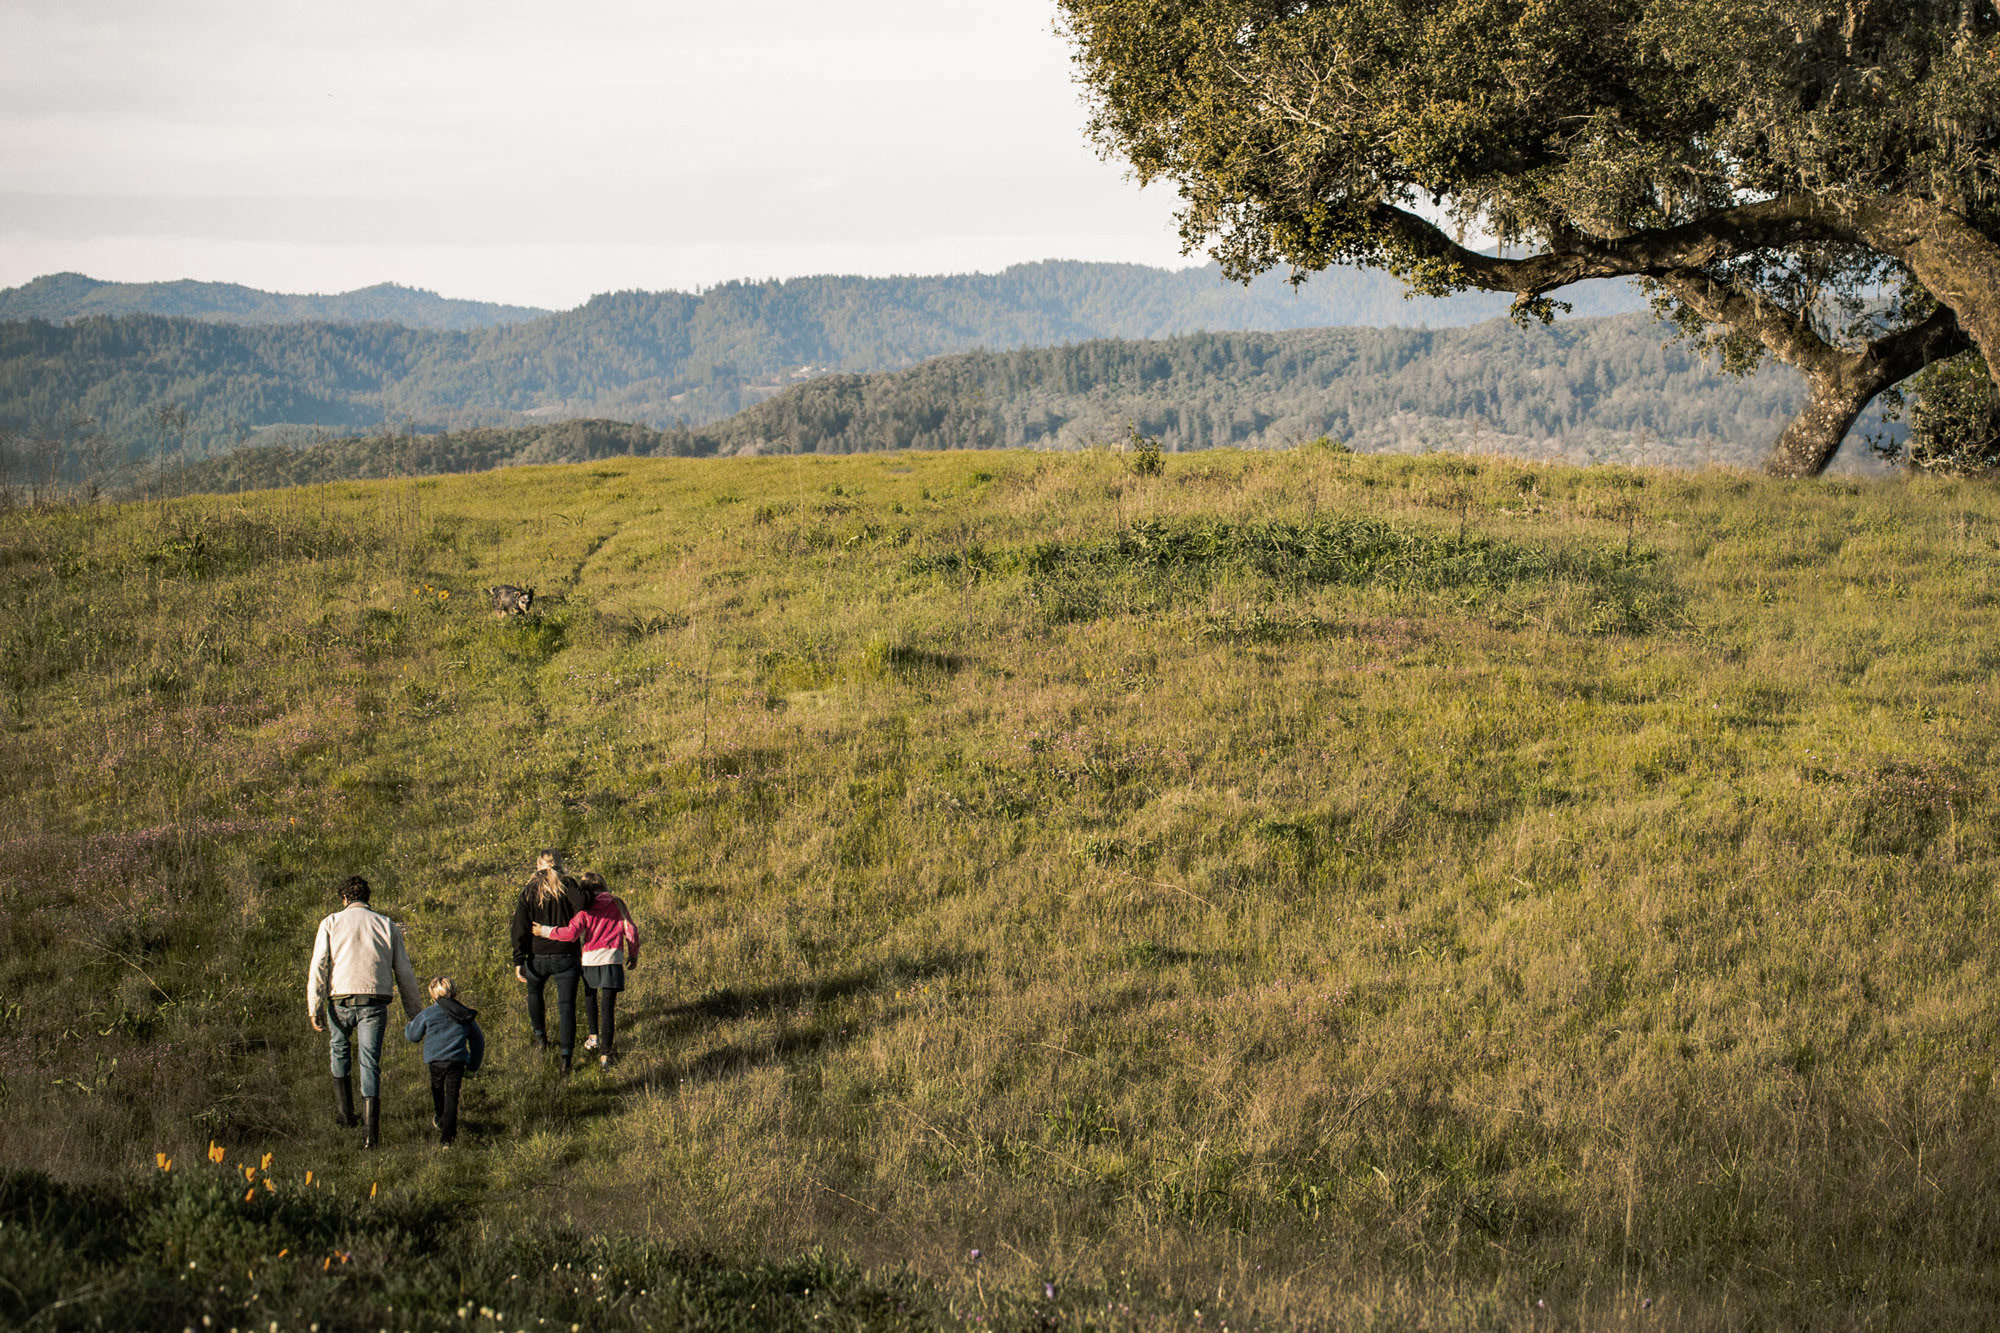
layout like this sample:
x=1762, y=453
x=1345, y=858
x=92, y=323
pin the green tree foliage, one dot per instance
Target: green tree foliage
x=1769, y=169
x=1955, y=421
x=261, y=467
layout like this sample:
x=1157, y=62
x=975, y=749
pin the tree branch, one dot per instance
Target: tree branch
x=1784, y=333
x=1907, y=351
x=1715, y=239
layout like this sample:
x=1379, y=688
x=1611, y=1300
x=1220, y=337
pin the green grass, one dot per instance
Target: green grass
x=1308, y=889
x=197, y=1246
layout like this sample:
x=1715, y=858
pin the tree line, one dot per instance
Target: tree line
x=1605, y=390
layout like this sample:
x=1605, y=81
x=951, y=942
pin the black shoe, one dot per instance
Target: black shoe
x=371, y=1113
x=539, y=1041
x=606, y=1060
x=562, y=1066
x=343, y=1101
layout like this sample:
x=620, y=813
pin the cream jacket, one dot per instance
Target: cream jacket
x=359, y=951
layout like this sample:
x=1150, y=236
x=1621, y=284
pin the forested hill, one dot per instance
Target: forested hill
x=1614, y=388
x=61, y=297
x=1607, y=390
x=663, y=358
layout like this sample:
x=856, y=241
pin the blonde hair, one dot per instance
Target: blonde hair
x=548, y=881
x=443, y=988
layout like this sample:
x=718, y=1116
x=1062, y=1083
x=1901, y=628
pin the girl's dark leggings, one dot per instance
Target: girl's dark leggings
x=607, y=1021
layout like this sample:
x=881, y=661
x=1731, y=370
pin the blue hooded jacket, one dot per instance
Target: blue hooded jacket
x=449, y=1031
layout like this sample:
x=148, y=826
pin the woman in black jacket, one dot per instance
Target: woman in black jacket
x=551, y=898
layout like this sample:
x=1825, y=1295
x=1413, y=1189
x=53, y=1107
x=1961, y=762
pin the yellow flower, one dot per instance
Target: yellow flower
x=249, y=1172
x=164, y=1162
x=215, y=1152
x=282, y=1253
x=309, y=1177
x=248, y=1195
x=265, y=1165
x=269, y=1187
x=373, y=1185
x=444, y=594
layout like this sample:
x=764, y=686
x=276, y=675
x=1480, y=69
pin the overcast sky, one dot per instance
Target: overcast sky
x=539, y=153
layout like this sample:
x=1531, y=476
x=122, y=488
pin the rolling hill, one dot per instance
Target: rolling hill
x=661, y=358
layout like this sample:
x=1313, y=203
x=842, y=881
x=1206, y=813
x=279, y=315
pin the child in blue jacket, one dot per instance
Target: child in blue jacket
x=453, y=1048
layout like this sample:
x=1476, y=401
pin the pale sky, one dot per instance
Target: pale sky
x=540, y=153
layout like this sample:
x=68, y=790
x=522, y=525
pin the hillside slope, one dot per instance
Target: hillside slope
x=1296, y=890
x=661, y=358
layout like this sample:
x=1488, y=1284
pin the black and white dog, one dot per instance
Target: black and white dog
x=509, y=600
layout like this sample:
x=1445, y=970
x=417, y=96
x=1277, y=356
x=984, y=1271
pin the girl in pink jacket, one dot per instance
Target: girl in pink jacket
x=610, y=945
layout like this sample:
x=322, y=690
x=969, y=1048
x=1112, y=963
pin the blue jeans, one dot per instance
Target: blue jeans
x=353, y=1027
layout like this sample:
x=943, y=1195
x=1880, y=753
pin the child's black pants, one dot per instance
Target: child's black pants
x=445, y=1078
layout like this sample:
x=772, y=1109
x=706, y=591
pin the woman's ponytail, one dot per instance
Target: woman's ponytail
x=547, y=885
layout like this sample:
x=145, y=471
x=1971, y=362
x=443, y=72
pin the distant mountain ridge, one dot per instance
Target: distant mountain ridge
x=661, y=358
x=61, y=297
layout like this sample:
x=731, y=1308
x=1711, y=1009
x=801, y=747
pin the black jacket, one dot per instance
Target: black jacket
x=530, y=912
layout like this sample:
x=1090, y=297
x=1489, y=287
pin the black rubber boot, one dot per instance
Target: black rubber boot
x=343, y=1101
x=371, y=1112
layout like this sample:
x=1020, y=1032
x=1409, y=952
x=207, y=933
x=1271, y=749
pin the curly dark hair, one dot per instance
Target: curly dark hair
x=354, y=889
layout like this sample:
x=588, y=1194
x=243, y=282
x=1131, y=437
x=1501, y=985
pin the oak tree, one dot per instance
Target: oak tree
x=1810, y=180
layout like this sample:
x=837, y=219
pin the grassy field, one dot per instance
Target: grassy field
x=1292, y=890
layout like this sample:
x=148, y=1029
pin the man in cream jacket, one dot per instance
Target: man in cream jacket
x=358, y=961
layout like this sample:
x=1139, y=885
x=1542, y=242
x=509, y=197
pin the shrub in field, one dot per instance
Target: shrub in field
x=1147, y=460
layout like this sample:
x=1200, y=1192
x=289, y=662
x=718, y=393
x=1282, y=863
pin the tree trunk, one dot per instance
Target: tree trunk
x=1811, y=439
x=1954, y=260
x=1840, y=384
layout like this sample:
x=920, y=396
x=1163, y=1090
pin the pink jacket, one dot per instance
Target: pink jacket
x=605, y=928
